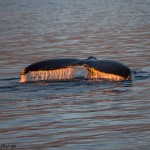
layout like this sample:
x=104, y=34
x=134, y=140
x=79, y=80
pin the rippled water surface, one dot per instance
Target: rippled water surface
x=74, y=114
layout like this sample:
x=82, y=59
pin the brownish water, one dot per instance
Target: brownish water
x=75, y=114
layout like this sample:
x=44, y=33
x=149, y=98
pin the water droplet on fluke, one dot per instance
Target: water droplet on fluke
x=58, y=74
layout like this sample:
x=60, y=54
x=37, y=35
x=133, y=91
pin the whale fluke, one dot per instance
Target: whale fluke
x=63, y=68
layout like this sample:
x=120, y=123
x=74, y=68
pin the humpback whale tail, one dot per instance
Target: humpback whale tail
x=57, y=69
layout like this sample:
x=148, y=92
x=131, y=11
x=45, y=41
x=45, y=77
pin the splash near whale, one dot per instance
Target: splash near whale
x=66, y=68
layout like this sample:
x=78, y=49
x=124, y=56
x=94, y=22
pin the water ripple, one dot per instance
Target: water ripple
x=74, y=114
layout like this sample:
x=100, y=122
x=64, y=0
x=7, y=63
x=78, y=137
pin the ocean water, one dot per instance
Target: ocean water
x=74, y=114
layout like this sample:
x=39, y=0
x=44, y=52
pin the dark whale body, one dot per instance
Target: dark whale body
x=104, y=67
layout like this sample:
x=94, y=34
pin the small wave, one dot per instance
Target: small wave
x=9, y=79
x=141, y=75
x=9, y=84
